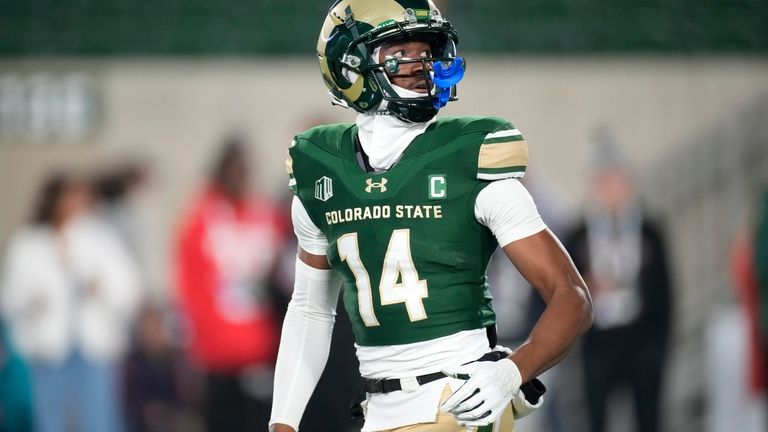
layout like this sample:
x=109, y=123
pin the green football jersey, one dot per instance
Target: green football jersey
x=405, y=242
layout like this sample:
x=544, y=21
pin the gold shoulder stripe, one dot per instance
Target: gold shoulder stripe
x=502, y=155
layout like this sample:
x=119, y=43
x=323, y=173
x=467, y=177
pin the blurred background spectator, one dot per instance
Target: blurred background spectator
x=162, y=391
x=621, y=253
x=682, y=85
x=760, y=259
x=121, y=190
x=749, y=270
x=15, y=390
x=69, y=294
x=227, y=251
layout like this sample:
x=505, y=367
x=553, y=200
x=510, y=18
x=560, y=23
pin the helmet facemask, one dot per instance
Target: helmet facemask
x=407, y=104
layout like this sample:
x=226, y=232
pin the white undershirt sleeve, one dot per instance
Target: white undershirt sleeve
x=508, y=210
x=306, y=337
x=305, y=342
x=311, y=239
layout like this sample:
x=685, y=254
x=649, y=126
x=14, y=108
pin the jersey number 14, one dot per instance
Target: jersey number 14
x=399, y=282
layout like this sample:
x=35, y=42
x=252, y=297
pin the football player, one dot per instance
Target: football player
x=406, y=210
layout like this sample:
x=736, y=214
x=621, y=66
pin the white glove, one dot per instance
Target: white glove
x=521, y=407
x=489, y=388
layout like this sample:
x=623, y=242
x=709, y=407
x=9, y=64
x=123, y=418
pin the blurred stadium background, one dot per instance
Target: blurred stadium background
x=682, y=85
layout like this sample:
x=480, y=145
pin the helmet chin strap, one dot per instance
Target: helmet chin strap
x=382, y=110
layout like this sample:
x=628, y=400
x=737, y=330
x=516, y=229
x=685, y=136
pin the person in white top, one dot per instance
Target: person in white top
x=69, y=293
x=406, y=209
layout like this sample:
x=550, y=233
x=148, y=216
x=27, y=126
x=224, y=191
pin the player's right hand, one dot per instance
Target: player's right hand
x=482, y=399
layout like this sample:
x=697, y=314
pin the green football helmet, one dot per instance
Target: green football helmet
x=352, y=31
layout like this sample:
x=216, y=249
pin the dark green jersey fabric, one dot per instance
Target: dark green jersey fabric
x=406, y=243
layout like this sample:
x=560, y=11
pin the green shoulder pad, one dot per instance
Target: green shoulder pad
x=328, y=138
x=456, y=127
x=502, y=151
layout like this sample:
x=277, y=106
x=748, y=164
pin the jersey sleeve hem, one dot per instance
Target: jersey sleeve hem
x=313, y=249
x=519, y=232
x=490, y=175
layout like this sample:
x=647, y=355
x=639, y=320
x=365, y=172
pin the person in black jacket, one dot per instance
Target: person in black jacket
x=623, y=258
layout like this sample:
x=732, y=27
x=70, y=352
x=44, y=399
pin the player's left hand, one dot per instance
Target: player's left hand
x=489, y=388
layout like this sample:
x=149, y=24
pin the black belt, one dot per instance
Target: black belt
x=412, y=383
x=532, y=390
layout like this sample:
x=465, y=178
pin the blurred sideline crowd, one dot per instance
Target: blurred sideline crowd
x=84, y=347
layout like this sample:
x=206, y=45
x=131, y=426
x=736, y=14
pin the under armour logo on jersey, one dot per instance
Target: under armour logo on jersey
x=382, y=185
x=323, y=188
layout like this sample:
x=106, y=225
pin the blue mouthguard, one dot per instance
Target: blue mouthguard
x=444, y=79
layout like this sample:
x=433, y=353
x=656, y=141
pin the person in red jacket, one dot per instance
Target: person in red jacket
x=226, y=252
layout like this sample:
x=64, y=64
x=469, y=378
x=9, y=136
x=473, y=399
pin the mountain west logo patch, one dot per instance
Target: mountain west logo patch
x=323, y=188
x=370, y=185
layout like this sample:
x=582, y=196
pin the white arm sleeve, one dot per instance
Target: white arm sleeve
x=311, y=239
x=305, y=342
x=508, y=210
